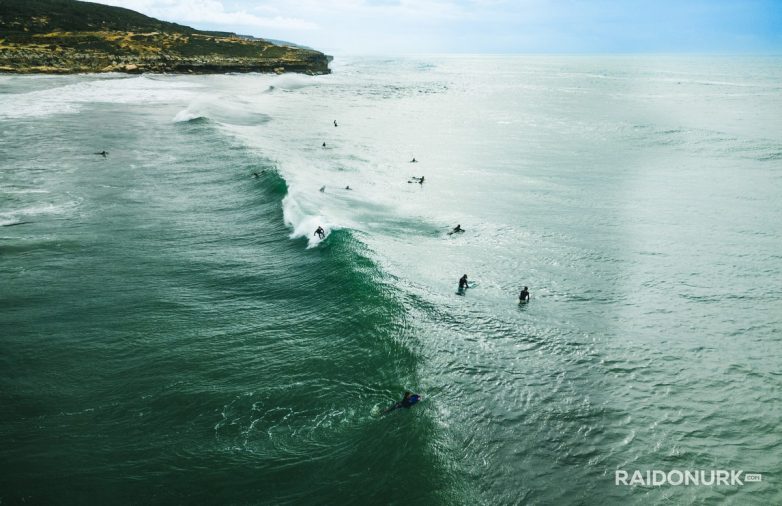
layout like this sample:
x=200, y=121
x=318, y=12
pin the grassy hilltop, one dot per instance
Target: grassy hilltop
x=69, y=36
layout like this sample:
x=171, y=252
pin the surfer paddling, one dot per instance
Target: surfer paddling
x=408, y=400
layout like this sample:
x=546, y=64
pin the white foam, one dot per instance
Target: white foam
x=72, y=98
x=229, y=109
x=24, y=191
x=292, y=81
x=186, y=115
x=12, y=216
x=302, y=223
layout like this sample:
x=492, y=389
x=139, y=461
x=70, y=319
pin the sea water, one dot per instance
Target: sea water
x=173, y=332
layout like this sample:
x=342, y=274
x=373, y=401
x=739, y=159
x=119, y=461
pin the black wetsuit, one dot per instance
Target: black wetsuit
x=404, y=403
x=463, y=283
x=524, y=296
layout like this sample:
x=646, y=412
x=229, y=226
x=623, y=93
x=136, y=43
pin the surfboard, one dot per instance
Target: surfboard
x=460, y=291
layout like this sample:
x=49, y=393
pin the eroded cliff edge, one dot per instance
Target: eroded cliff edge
x=70, y=36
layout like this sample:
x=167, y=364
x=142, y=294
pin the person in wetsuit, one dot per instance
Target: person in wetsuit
x=408, y=400
x=320, y=232
x=103, y=153
x=463, y=282
x=456, y=230
x=524, y=295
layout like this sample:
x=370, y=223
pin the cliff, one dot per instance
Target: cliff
x=70, y=36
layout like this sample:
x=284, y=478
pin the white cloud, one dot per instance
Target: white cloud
x=332, y=25
x=399, y=26
x=211, y=12
x=430, y=9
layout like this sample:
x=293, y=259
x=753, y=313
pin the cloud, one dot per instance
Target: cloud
x=419, y=9
x=426, y=26
x=212, y=12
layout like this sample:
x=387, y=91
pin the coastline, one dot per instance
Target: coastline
x=135, y=53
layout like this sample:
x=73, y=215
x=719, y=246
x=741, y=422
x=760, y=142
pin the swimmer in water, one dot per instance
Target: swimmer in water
x=408, y=400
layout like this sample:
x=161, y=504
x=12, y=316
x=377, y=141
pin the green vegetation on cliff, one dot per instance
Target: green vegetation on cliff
x=66, y=36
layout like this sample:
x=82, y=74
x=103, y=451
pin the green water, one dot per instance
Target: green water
x=171, y=333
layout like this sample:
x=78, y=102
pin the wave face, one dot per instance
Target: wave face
x=174, y=331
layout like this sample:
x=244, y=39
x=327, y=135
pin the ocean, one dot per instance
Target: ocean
x=173, y=332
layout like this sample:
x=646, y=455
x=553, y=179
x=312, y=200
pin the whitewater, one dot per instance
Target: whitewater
x=172, y=330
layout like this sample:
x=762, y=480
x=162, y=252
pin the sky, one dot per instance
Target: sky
x=392, y=27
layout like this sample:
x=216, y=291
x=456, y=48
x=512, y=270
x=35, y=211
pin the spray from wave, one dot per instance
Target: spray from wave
x=75, y=94
x=304, y=224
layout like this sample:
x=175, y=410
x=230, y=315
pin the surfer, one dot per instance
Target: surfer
x=415, y=179
x=322, y=188
x=408, y=400
x=324, y=144
x=457, y=229
x=348, y=187
x=103, y=153
x=413, y=160
x=320, y=232
x=335, y=123
x=463, y=282
x=524, y=295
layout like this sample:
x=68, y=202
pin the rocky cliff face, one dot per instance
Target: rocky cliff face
x=83, y=37
x=68, y=52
